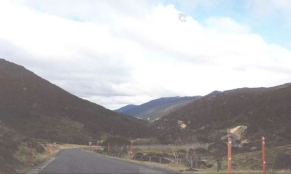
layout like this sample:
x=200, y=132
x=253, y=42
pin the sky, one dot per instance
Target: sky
x=116, y=53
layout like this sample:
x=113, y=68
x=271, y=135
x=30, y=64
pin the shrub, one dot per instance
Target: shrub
x=116, y=140
x=201, y=151
x=38, y=147
x=218, y=148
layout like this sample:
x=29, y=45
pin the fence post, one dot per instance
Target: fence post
x=263, y=155
x=229, y=156
x=49, y=149
x=131, y=147
x=31, y=155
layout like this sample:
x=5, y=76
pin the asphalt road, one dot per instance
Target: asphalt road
x=77, y=161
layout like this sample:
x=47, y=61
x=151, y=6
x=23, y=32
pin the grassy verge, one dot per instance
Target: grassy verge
x=248, y=162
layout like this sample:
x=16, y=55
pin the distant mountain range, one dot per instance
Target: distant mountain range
x=125, y=108
x=157, y=108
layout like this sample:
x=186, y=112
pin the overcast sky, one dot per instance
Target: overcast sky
x=115, y=52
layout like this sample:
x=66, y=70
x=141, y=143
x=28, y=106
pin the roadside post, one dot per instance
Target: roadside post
x=229, y=156
x=97, y=146
x=108, y=147
x=49, y=149
x=263, y=155
x=131, y=148
x=31, y=155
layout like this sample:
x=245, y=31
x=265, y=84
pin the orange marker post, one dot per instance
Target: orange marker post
x=131, y=147
x=108, y=147
x=229, y=156
x=96, y=146
x=263, y=155
x=31, y=155
x=49, y=149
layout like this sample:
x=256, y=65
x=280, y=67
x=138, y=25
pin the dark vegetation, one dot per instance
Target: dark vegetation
x=39, y=109
x=10, y=143
x=265, y=112
x=116, y=140
x=7, y=147
x=282, y=161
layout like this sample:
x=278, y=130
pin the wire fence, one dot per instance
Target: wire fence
x=149, y=158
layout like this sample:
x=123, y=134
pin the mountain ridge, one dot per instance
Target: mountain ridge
x=157, y=108
x=264, y=111
x=125, y=108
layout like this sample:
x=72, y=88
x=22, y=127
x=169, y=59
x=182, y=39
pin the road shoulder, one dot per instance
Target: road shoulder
x=42, y=166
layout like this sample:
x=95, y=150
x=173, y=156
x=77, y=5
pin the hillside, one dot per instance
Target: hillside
x=40, y=109
x=157, y=108
x=263, y=111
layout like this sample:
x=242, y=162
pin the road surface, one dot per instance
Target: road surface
x=77, y=161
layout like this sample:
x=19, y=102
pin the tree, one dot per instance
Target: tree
x=189, y=153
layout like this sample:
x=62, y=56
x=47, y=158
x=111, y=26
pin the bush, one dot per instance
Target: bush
x=201, y=151
x=38, y=147
x=115, y=140
x=22, y=153
x=218, y=148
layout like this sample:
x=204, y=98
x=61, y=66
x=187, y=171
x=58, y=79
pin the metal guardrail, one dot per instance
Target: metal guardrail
x=157, y=159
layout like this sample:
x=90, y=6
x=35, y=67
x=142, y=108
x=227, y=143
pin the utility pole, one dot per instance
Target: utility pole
x=229, y=156
x=263, y=155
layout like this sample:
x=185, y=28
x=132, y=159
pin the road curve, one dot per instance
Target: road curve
x=77, y=161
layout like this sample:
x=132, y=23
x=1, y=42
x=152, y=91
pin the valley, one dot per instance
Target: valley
x=35, y=111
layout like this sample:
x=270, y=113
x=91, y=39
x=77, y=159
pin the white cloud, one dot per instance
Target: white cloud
x=116, y=54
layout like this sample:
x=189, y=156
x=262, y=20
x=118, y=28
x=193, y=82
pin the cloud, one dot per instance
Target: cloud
x=226, y=25
x=115, y=53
